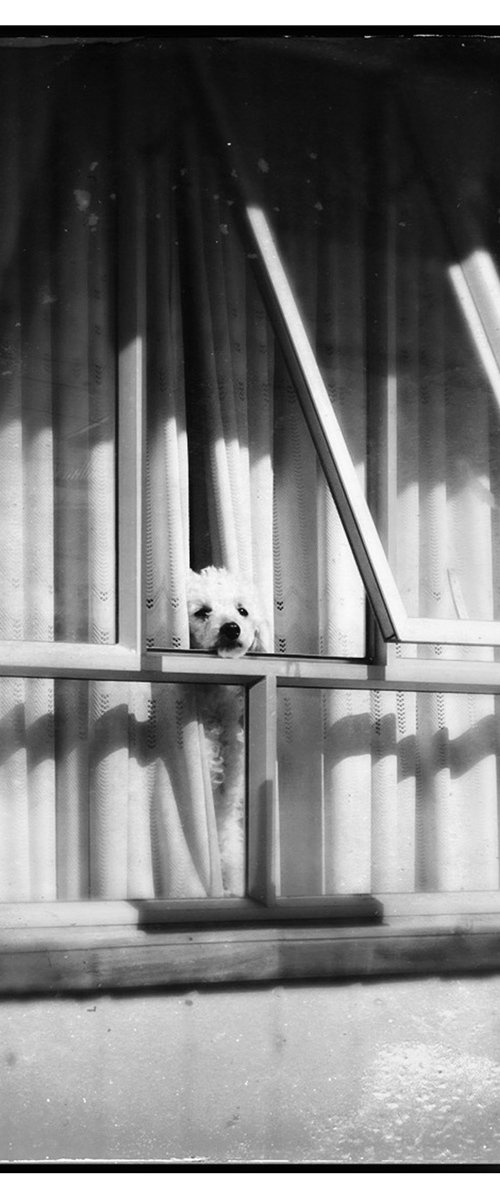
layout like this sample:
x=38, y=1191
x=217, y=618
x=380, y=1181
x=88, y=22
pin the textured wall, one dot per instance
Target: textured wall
x=380, y=1072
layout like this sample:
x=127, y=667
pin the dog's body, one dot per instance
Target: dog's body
x=222, y=713
x=224, y=619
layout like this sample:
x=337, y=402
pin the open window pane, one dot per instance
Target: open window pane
x=375, y=260
x=233, y=476
x=57, y=350
x=387, y=792
x=114, y=790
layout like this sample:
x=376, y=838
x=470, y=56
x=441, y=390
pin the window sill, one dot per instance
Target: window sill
x=92, y=958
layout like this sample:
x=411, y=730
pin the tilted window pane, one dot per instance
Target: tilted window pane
x=374, y=228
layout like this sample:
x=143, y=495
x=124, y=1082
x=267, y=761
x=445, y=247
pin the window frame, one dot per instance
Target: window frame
x=394, y=623
x=88, y=945
x=477, y=289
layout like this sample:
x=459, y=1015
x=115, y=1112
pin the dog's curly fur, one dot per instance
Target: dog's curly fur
x=224, y=618
x=222, y=713
x=224, y=614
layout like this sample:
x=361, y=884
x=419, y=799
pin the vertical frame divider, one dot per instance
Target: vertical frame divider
x=131, y=402
x=262, y=747
x=394, y=385
x=382, y=347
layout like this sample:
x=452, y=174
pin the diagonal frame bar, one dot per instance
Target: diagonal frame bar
x=326, y=433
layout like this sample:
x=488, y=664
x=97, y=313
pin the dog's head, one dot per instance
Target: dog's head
x=223, y=614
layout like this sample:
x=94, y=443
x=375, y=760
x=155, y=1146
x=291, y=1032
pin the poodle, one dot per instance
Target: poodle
x=223, y=614
x=224, y=618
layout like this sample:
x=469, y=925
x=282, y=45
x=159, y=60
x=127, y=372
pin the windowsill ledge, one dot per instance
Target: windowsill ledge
x=91, y=958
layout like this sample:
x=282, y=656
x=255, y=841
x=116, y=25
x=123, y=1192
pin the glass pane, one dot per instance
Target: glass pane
x=446, y=487
x=387, y=792
x=362, y=223
x=233, y=477
x=118, y=790
x=57, y=349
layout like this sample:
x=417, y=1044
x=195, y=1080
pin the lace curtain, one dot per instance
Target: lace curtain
x=104, y=788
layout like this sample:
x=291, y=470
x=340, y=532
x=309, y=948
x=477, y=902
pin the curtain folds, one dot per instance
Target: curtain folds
x=105, y=788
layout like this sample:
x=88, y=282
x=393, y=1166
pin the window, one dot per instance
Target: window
x=236, y=332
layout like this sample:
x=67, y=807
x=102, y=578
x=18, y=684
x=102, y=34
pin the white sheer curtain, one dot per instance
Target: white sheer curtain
x=57, y=546
x=103, y=786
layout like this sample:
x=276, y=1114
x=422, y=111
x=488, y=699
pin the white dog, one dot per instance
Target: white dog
x=224, y=614
x=224, y=618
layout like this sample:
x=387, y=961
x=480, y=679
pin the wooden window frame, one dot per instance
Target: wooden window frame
x=88, y=945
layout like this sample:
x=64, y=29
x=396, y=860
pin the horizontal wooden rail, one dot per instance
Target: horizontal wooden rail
x=58, y=658
x=197, y=667
x=73, y=914
x=339, y=910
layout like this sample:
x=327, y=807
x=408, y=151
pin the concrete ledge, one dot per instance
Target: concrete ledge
x=89, y=959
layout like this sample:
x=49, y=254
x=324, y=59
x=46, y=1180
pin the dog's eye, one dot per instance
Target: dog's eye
x=242, y=611
x=203, y=613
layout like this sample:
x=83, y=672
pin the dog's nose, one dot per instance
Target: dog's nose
x=231, y=631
